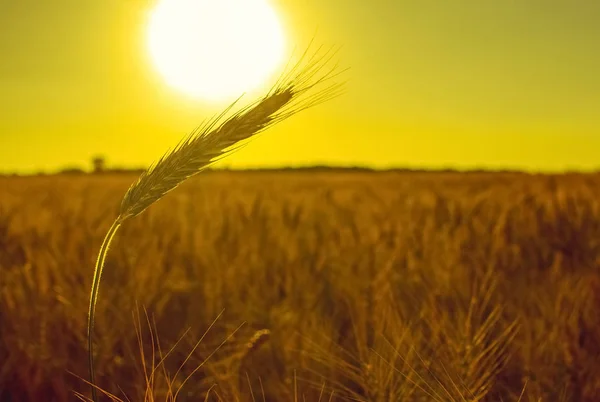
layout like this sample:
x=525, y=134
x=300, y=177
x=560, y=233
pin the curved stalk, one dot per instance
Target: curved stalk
x=94, y=296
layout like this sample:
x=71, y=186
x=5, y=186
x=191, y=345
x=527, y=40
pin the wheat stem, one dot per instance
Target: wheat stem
x=94, y=297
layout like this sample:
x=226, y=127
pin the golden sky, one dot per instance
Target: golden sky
x=460, y=83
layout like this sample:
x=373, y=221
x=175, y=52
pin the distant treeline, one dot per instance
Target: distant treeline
x=318, y=168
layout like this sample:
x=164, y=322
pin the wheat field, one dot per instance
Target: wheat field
x=275, y=286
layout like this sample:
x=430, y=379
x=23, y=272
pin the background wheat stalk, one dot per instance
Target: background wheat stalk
x=216, y=138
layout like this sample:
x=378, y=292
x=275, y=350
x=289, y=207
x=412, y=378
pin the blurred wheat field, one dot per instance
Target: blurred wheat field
x=324, y=286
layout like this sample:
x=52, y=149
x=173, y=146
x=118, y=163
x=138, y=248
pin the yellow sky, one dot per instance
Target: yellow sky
x=461, y=83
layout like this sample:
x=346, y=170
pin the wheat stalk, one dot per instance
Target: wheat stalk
x=213, y=140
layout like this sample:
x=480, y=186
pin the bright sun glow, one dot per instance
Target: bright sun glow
x=215, y=49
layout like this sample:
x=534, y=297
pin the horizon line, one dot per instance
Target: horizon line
x=317, y=167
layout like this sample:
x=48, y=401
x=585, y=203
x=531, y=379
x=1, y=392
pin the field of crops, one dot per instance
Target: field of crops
x=328, y=286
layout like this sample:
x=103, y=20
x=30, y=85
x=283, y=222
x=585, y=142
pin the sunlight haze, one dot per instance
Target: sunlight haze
x=432, y=84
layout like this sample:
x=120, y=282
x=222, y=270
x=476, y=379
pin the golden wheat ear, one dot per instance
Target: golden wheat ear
x=295, y=91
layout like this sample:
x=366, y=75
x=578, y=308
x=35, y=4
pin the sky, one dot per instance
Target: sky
x=432, y=84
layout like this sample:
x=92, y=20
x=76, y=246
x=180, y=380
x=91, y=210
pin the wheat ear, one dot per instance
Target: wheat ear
x=215, y=139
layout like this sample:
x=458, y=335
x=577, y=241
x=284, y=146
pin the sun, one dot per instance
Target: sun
x=215, y=49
